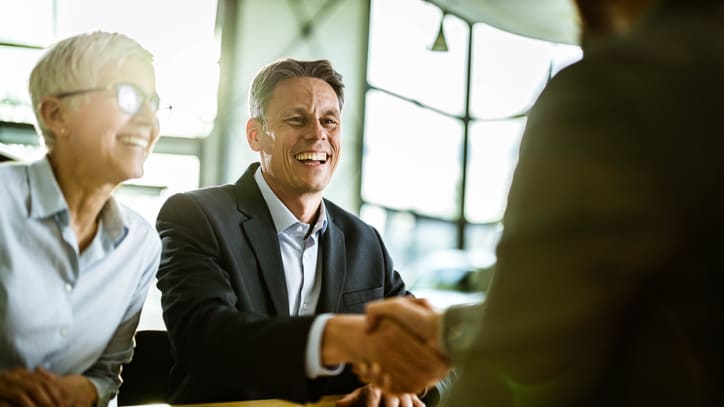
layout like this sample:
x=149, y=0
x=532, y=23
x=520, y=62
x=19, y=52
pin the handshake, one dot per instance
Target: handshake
x=395, y=346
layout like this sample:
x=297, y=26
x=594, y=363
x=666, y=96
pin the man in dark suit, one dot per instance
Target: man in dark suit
x=260, y=279
x=607, y=290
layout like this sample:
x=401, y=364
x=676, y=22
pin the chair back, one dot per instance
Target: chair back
x=146, y=377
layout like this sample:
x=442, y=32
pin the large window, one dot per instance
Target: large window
x=442, y=129
x=186, y=54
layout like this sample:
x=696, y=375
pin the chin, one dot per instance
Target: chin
x=133, y=173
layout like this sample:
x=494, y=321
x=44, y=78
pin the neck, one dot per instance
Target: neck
x=305, y=208
x=85, y=198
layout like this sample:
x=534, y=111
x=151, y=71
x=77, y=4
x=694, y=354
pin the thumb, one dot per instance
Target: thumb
x=347, y=401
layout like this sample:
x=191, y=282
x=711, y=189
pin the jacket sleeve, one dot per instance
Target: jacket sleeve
x=105, y=373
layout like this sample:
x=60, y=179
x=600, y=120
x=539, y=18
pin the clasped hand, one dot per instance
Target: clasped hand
x=406, y=356
x=20, y=387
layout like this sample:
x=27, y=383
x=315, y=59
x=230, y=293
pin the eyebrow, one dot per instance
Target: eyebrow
x=301, y=110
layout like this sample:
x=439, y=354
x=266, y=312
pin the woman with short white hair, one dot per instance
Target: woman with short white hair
x=75, y=264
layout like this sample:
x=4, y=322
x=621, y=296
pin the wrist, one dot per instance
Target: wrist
x=80, y=390
x=341, y=339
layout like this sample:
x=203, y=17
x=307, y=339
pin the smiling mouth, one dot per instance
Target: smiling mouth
x=312, y=158
x=134, y=141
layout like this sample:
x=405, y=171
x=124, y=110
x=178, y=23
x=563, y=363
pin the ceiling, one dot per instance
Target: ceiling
x=550, y=20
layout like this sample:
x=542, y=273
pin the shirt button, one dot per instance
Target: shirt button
x=63, y=331
x=68, y=287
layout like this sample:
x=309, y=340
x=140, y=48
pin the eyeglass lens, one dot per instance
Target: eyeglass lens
x=131, y=98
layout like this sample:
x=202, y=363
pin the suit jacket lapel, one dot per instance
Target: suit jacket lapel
x=334, y=270
x=262, y=237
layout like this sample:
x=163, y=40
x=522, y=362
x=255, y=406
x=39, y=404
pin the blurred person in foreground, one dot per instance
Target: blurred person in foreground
x=607, y=289
x=75, y=264
x=261, y=279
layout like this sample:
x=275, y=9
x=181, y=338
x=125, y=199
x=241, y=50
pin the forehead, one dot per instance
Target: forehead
x=303, y=93
x=131, y=70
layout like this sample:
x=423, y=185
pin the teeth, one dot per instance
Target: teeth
x=311, y=156
x=136, y=141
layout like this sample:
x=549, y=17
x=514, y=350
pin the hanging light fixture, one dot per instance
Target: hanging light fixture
x=440, y=43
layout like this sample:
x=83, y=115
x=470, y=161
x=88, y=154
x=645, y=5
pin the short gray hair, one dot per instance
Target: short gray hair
x=269, y=76
x=75, y=63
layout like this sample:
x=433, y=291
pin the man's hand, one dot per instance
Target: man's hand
x=415, y=315
x=400, y=362
x=404, y=364
x=20, y=387
x=408, y=357
x=371, y=396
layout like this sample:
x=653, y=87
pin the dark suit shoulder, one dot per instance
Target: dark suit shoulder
x=216, y=199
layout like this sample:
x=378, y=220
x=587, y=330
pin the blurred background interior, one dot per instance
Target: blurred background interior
x=437, y=93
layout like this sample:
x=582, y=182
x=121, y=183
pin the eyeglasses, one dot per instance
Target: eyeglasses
x=130, y=97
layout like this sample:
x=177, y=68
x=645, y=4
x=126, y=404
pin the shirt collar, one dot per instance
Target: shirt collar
x=281, y=215
x=46, y=199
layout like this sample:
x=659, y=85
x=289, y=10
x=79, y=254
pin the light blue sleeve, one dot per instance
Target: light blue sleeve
x=313, y=359
x=105, y=374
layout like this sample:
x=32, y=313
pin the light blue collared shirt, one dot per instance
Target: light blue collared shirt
x=302, y=271
x=62, y=310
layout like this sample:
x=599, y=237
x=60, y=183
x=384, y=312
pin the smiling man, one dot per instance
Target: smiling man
x=261, y=279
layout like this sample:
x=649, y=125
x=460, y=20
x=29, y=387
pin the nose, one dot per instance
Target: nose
x=317, y=131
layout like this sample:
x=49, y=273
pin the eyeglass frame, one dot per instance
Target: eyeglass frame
x=153, y=100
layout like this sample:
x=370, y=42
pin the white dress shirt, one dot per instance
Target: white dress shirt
x=302, y=271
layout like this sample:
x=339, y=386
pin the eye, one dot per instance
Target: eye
x=329, y=122
x=295, y=121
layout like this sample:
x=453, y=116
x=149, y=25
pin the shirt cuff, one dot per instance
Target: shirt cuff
x=313, y=359
x=105, y=390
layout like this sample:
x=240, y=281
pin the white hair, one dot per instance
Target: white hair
x=75, y=64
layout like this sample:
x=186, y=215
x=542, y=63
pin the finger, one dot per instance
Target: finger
x=372, y=319
x=405, y=312
x=348, y=400
x=362, y=370
x=408, y=361
x=386, y=381
x=375, y=374
x=423, y=302
x=405, y=400
x=391, y=400
x=20, y=399
x=416, y=402
x=374, y=396
x=23, y=388
x=52, y=386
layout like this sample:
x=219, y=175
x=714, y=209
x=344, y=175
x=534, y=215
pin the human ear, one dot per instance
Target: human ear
x=253, y=127
x=52, y=115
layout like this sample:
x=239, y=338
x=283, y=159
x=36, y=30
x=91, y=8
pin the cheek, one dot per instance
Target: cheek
x=102, y=123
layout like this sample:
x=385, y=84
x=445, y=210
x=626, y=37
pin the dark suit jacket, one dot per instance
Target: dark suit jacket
x=225, y=300
x=607, y=290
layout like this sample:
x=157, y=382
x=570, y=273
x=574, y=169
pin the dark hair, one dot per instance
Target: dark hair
x=269, y=76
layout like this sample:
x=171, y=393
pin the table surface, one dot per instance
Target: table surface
x=327, y=401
